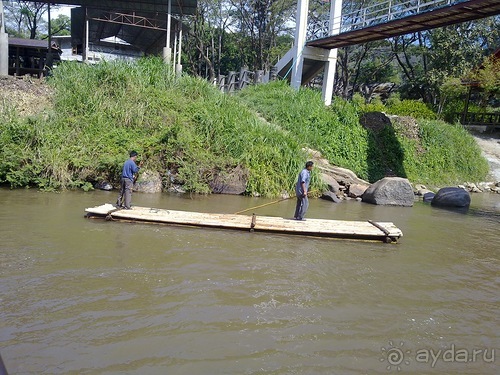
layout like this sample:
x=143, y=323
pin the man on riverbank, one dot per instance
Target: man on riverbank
x=301, y=189
x=130, y=169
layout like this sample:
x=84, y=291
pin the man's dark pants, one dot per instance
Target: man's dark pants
x=125, y=198
x=301, y=207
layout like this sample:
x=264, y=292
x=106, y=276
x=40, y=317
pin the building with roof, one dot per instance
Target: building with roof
x=108, y=30
x=30, y=56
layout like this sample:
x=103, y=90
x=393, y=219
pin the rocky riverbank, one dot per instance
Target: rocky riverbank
x=490, y=147
x=343, y=184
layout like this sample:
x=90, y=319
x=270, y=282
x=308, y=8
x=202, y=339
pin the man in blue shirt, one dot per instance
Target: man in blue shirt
x=301, y=189
x=127, y=181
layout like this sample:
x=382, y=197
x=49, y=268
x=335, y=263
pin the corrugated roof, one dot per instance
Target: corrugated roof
x=186, y=7
x=31, y=43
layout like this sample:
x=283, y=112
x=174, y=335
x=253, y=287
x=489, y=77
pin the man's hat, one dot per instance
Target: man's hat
x=132, y=154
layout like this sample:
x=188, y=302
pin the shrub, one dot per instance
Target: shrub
x=413, y=108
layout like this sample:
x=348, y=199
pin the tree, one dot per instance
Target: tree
x=262, y=21
x=428, y=58
x=61, y=25
x=487, y=77
x=229, y=34
x=205, y=39
x=24, y=18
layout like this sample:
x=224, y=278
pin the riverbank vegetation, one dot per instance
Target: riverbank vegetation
x=190, y=132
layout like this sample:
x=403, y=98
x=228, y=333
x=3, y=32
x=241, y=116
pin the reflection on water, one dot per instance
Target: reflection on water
x=94, y=297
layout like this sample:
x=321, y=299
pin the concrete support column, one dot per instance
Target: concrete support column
x=49, y=61
x=178, y=65
x=85, y=49
x=4, y=45
x=175, y=51
x=300, y=41
x=331, y=64
x=329, y=77
x=167, y=50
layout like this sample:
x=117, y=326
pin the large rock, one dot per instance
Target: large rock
x=330, y=196
x=390, y=191
x=451, y=197
x=233, y=182
x=332, y=183
x=375, y=121
x=357, y=190
x=428, y=197
x=148, y=182
x=343, y=176
x=103, y=185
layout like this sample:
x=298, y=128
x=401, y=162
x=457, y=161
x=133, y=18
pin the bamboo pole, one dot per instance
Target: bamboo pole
x=262, y=205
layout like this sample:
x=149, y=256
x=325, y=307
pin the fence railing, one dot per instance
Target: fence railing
x=382, y=12
x=239, y=80
x=484, y=119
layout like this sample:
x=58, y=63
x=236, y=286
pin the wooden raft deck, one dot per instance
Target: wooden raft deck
x=364, y=230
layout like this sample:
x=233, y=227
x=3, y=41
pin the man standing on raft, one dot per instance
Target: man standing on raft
x=127, y=181
x=301, y=189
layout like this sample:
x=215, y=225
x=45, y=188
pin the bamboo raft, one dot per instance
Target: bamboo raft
x=363, y=230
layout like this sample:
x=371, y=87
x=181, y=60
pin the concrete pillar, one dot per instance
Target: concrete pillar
x=4, y=45
x=300, y=41
x=329, y=77
x=331, y=64
x=167, y=50
x=49, y=61
x=85, y=49
x=178, y=66
x=175, y=51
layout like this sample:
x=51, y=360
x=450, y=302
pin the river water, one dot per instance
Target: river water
x=82, y=296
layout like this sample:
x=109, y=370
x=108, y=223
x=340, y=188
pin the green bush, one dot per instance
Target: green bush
x=334, y=131
x=185, y=125
x=444, y=154
x=180, y=124
x=413, y=108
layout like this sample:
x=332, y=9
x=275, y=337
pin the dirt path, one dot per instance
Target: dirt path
x=490, y=146
x=27, y=95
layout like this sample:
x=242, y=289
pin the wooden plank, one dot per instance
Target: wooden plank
x=312, y=227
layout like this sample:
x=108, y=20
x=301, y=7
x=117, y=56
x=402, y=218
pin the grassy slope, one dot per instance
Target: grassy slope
x=443, y=154
x=185, y=125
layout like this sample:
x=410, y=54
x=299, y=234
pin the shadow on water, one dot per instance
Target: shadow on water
x=486, y=213
x=385, y=154
x=458, y=210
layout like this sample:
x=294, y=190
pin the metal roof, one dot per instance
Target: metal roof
x=145, y=32
x=30, y=43
x=449, y=15
x=185, y=7
x=141, y=23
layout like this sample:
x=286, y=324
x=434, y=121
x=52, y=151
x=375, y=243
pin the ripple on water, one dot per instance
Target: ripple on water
x=109, y=298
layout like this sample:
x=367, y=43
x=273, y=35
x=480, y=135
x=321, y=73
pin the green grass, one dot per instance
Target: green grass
x=186, y=126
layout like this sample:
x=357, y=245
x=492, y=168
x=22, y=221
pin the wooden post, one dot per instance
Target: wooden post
x=18, y=67
x=466, y=106
x=252, y=225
